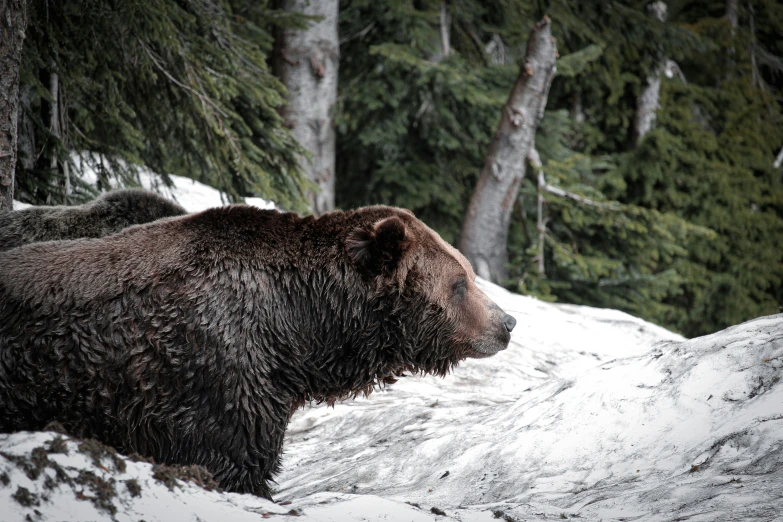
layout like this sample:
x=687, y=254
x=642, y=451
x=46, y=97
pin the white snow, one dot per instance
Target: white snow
x=676, y=430
x=589, y=413
x=193, y=195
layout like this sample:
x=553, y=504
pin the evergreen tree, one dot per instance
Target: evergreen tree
x=413, y=123
x=711, y=162
x=623, y=227
x=180, y=86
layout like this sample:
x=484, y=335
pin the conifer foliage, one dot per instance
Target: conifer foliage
x=179, y=86
x=682, y=228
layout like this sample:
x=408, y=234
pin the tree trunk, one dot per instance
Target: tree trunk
x=778, y=160
x=485, y=230
x=731, y=15
x=56, y=130
x=647, y=104
x=13, y=24
x=25, y=127
x=307, y=61
x=445, y=28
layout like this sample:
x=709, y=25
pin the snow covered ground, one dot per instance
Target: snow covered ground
x=589, y=414
x=193, y=195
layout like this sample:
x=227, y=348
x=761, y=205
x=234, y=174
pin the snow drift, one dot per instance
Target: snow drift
x=589, y=413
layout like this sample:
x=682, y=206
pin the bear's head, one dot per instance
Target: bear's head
x=430, y=290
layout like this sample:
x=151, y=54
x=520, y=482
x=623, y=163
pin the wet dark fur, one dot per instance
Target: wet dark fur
x=107, y=215
x=191, y=340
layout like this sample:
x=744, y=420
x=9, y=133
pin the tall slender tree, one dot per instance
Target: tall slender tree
x=648, y=101
x=307, y=62
x=13, y=24
x=180, y=86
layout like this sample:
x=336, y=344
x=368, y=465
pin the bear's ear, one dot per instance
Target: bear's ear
x=379, y=248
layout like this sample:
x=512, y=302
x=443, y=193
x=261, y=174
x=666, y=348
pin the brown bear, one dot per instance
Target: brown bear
x=106, y=215
x=192, y=340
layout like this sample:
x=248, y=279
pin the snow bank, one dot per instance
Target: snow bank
x=590, y=413
x=683, y=430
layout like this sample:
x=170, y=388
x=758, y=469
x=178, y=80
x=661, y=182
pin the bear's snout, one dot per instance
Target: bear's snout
x=509, y=322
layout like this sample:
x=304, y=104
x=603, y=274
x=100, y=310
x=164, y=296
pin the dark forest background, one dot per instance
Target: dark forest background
x=682, y=226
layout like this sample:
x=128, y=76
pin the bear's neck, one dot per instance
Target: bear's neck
x=345, y=341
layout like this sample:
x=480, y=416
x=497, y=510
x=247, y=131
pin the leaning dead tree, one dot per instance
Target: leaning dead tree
x=307, y=61
x=485, y=229
x=13, y=24
x=647, y=104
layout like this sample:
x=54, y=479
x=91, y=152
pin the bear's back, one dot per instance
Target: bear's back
x=109, y=214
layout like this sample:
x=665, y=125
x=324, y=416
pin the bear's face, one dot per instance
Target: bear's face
x=448, y=315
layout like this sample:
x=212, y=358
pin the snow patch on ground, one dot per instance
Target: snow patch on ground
x=191, y=194
x=678, y=430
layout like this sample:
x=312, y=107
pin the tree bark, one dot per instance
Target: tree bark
x=485, y=229
x=25, y=144
x=13, y=24
x=56, y=130
x=445, y=28
x=647, y=104
x=307, y=62
x=778, y=160
x=731, y=15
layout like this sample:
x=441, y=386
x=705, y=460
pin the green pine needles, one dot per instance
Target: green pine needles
x=179, y=86
x=683, y=230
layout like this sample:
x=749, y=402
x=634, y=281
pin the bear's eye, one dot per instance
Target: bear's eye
x=460, y=288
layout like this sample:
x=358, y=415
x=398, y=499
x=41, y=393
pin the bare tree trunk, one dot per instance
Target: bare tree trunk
x=307, y=62
x=731, y=55
x=25, y=144
x=485, y=229
x=778, y=160
x=13, y=24
x=731, y=15
x=56, y=130
x=540, y=221
x=756, y=77
x=647, y=104
x=496, y=50
x=445, y=28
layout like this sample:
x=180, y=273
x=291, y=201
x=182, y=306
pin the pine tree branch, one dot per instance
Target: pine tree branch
x=535, y=161
x=204, y=98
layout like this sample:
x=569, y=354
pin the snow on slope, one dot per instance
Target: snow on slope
x=685, y=430
x=590, y=413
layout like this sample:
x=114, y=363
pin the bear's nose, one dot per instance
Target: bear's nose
x=509, y=322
